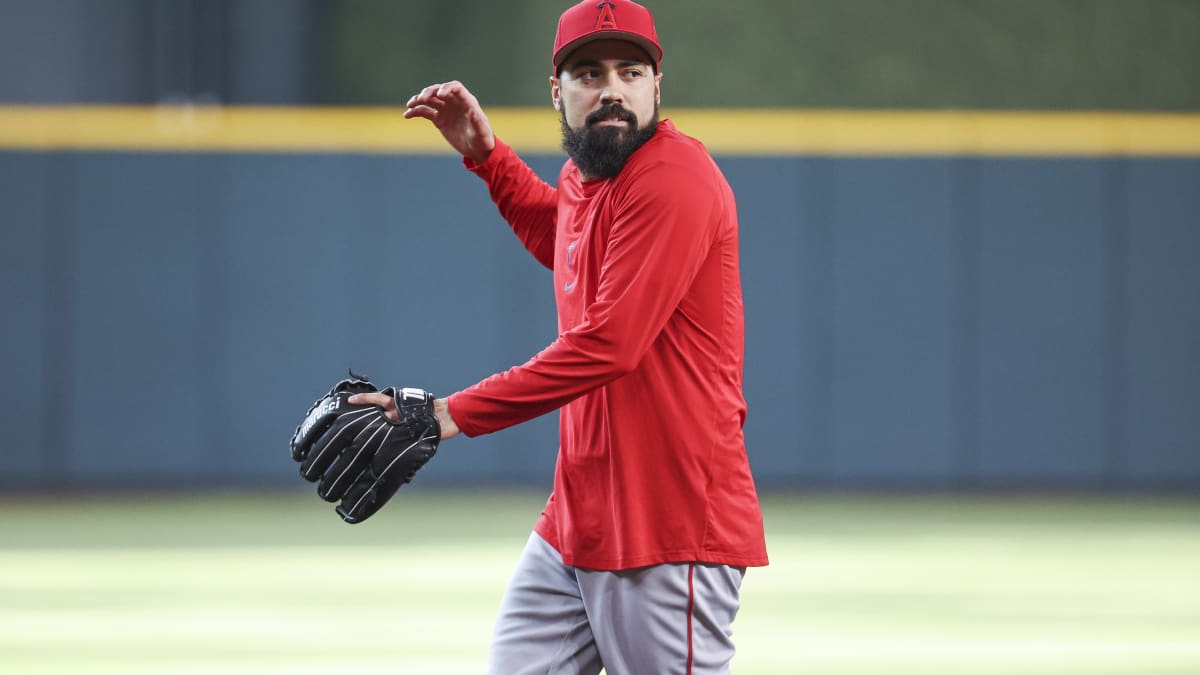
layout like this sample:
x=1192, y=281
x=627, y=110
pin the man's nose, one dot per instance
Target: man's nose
x=612, y=90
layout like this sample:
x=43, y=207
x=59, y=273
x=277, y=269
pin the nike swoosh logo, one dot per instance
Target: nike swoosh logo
x=567, y=288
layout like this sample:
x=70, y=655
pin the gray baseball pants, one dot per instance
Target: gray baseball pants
x=669, y=619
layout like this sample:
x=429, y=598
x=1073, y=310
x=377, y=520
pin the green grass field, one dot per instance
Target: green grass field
x=879, y=585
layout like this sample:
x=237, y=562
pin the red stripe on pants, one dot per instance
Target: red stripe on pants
x=691, y=604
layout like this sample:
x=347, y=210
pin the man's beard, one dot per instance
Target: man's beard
x=600, y=152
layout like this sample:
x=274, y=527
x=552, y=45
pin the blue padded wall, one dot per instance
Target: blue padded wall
x=926, y=322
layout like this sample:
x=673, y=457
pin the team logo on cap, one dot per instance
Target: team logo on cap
x=605, y=19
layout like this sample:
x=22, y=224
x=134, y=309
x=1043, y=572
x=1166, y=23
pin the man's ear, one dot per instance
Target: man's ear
x=555, y=94
x=658, y=88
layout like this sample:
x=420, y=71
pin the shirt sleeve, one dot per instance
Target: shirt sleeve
x=527, y=203
x=667, y=218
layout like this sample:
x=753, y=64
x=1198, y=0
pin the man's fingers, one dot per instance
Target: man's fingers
x=373, y=398
x=454, y=90
x=425, y=96
x=379, y=400
x=425, y=111
x=439, y=96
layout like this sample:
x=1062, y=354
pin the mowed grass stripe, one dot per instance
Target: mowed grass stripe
x=176, y=584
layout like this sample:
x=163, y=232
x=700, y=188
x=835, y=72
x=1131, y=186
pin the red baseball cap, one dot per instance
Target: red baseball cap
x=605, y=20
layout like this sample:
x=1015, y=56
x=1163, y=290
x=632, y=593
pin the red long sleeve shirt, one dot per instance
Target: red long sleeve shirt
x=647, y=366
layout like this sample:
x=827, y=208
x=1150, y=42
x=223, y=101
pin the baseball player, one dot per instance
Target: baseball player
x=636, y=562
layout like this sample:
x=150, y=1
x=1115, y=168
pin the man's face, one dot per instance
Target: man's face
x=607, y=93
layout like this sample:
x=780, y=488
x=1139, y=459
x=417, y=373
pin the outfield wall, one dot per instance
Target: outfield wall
x=953, y=320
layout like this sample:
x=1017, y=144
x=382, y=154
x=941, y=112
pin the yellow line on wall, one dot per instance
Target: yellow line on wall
x=535, y=130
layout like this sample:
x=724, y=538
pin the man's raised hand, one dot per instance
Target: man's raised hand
x=457, y=114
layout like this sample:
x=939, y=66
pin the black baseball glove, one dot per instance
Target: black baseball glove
x=358, y=456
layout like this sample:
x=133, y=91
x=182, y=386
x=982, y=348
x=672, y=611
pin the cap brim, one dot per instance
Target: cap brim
x=652, y=50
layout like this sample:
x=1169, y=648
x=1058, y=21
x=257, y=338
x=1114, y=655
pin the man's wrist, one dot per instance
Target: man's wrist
x=479, y=157
x=441, y=410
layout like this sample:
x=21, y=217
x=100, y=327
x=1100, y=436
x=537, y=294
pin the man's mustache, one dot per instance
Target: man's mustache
x=612, y=110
